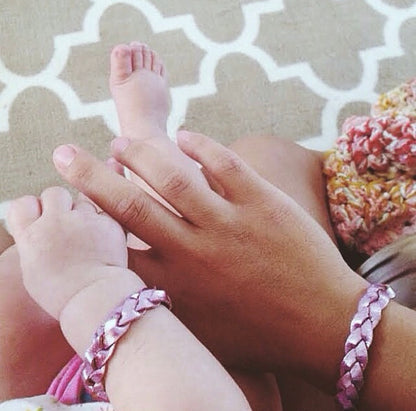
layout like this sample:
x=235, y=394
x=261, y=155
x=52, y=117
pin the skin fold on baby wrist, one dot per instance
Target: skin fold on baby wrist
x=106, y=293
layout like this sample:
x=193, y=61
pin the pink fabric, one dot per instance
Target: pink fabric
x=67, y=386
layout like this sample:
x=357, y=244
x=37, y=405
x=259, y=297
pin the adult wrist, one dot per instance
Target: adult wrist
x=357, y=345
x=390, y=373
x=323, y=328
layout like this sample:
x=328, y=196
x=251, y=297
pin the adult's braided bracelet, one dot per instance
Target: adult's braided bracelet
x=107, y=335
x=368, y=315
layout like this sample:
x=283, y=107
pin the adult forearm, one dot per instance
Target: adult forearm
x=389, y=379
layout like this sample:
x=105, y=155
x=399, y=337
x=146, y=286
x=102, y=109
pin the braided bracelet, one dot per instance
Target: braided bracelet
x=107, y=335
x=368, y=315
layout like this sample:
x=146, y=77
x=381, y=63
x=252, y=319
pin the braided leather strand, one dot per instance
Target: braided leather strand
x=358, y=342
x=107, y=335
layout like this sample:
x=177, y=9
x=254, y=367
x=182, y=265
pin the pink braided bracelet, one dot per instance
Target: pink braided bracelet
x=107, y=335
x=368, y=315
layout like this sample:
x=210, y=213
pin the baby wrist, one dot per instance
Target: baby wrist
x=87, y=309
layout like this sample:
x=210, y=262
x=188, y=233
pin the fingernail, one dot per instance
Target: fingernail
x=63, y=155
x=119, y=144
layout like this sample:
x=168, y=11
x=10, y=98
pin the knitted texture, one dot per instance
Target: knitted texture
x=106, y=337
x=358, y=342
x=399, y=101
x=371, y=173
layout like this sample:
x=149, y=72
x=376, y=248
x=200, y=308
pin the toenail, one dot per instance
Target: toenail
x=63, y=155
x=119, y=144
x=122, y=52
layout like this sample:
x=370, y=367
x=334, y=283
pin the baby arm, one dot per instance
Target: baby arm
x=81, y=275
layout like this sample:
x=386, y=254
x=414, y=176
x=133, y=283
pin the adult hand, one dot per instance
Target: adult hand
x=249, y=271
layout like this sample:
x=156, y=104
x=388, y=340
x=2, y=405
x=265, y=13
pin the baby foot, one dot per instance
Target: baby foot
x=66, y=249
x=138, y=84
x=139, y=87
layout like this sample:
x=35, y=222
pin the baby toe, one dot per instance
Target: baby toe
x=137, y=55
x=147, y=57
x=121, y=63
x=158, y=67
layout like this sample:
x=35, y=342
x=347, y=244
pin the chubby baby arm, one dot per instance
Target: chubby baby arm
x=74, y=262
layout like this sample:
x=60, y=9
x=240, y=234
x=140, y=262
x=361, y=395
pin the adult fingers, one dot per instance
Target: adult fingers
x=114, y=165
x=85, y=203
x=173, y=176
x=138, y=212
x=239, y=182
x=133, y=241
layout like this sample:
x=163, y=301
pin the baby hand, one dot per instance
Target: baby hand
x=61, y=243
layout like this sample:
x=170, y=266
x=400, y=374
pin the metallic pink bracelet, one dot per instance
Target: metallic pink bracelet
x=107, y=335
x=368, y=315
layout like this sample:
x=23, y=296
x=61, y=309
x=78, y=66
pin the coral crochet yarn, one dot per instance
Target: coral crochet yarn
x=399, y=101
x=371, y=181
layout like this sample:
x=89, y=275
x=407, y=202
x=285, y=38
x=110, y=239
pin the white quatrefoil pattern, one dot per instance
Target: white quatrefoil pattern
x=291, y=68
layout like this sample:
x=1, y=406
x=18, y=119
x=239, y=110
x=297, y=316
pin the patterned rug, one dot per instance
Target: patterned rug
x=293, y=68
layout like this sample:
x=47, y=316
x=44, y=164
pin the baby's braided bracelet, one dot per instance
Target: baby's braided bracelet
x=107, y=335
x=368, y=315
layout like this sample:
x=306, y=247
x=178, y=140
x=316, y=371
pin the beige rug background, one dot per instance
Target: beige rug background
x=294, y=68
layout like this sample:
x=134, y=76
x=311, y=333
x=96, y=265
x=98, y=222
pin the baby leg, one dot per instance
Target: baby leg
x=32, y=348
